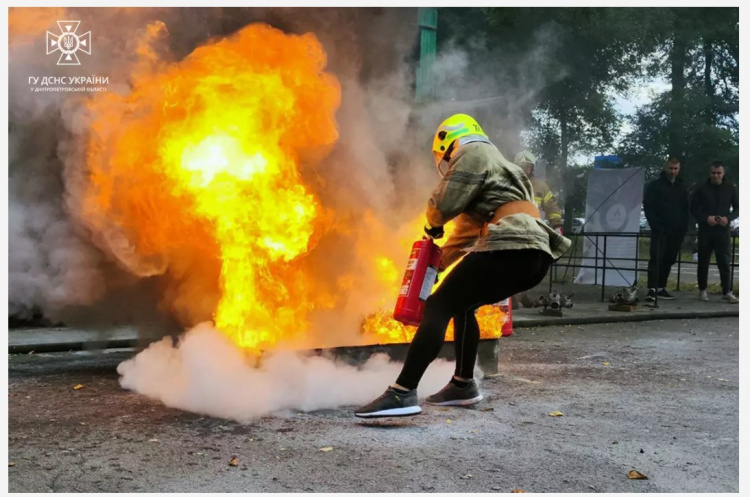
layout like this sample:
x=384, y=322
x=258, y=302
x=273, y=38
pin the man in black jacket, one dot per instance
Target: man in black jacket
x=667, y=211
x=710, y=206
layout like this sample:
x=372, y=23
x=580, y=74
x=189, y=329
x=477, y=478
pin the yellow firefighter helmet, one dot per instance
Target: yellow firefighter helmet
x=453, y=128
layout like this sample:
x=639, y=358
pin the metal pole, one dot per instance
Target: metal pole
x=679, y=264
x=604, y=270
x=596, y=259
x=731, y=266
x=554, y=268
x=658, y=265
x=637, y=256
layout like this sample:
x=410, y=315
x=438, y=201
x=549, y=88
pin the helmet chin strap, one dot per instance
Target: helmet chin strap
x=445, y=159
x=439, y=170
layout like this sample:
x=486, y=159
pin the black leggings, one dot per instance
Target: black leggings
x=481, y=278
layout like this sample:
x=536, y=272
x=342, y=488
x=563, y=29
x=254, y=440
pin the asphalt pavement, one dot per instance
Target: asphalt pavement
x=574, y=408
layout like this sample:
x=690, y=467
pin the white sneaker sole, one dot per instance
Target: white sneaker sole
x=459, y=402
x=401, y=411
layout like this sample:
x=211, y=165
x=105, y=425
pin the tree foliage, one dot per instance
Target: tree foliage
x=578, y=59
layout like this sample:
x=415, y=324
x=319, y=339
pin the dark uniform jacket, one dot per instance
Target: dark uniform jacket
x=666, y=205
x=715, y=200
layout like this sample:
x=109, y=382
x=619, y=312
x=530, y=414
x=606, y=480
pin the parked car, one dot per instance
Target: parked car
x=644, y=222
x=577, y=225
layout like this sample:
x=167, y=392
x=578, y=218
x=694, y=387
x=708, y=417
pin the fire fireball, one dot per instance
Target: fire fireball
x=196, y=174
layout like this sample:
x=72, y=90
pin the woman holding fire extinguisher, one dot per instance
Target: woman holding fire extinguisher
x=508, y=250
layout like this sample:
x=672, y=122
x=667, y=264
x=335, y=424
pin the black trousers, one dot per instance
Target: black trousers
x=662, y=256
x=717, y=241
x=481, y=278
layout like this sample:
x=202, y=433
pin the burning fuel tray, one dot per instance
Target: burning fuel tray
x=487, y=355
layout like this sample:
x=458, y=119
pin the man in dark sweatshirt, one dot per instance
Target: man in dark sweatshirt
x=710, y=206
x=667, y=210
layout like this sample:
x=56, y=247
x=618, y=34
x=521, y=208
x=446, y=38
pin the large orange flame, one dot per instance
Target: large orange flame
x=197, y=174
x=200, y=163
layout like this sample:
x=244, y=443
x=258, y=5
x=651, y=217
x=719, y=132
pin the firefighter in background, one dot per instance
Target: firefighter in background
x=543, y=197
x=506, y=249
x=545, y=202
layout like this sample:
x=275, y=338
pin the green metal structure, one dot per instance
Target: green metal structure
x=425, y=87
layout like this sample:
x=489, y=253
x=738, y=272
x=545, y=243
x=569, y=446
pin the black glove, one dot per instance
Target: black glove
x=435, y=233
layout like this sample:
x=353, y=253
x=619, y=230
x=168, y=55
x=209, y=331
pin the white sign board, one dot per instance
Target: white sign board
x=613, y=205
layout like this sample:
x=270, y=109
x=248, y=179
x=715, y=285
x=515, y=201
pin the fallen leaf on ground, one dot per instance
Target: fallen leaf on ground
x=78, y=387
x=488, y=409
x=448, y=421
x=234, y=461
x=11, y=463
x=635, y=475
x=326, y=449
x=556, y=414
x=606, y=364
x=517, y=491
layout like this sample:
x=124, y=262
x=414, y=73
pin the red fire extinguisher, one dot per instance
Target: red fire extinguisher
x=419, y=278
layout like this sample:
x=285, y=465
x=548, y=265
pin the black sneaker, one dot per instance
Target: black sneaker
x=664, y=294
x=651, y=295
x=452, y=395
x=392, y=403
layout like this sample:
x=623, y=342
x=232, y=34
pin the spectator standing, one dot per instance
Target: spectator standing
x=667, y=210
x=715, y=205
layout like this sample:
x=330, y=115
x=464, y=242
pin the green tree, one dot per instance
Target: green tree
x=697, y=52
x=595, y=53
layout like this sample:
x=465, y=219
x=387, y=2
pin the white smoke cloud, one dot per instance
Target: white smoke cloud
x=207, y=374
x=381, y=165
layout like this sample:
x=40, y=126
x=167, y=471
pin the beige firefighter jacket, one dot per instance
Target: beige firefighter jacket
x=545, y=201
x=479, y=179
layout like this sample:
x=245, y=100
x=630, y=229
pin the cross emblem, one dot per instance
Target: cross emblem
x=68, y=42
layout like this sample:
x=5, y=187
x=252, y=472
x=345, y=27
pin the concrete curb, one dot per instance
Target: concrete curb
x=527, y=322
x=25, y=348
x=519, y=322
